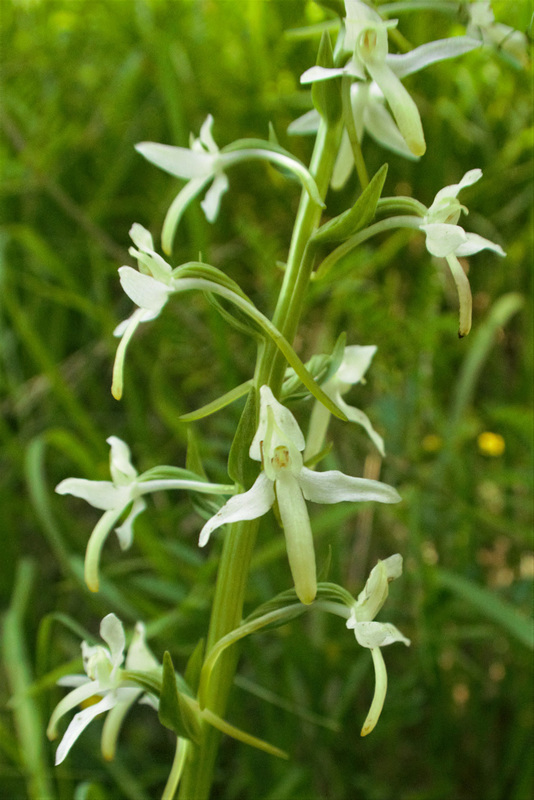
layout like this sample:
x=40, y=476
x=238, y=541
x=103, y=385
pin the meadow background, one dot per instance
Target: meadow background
x=82, y=82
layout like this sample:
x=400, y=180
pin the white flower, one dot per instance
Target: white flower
x=278, y=444
x=203, y=163
x=199, y=164
x=446, y=239
x=104, y=678
x=114, y=497
x=482, y=25
x=149, y=287
x=366, y=36
x=375, y=635
x=354, y=365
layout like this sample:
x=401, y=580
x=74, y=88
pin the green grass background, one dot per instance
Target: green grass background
x=82, y=82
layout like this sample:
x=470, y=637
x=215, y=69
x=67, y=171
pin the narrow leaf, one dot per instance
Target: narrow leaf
x=217, y=405
x=241, y=468
x=173, y=713
x=357, y=217
x=490, y=605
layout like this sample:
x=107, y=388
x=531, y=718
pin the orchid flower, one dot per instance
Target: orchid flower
x=375, y=635
x=278, y=444
x=354, y=365
x=366, y=37
x=203, y=163
x=105, y=679
x=482, y=25
x=155, y=277
x=446, y=239
x=114, y=497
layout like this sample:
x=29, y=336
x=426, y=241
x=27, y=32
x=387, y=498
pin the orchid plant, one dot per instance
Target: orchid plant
x=356, y=88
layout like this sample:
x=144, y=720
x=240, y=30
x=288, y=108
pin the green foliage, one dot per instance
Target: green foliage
x=82, y=83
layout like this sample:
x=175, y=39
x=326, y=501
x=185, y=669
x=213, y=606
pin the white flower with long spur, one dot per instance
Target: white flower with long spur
x=154, y=280
x=113, y=497
x=366, y=38
x=203, y=163
x=375, y=635
x=278, y=444
x=446, y=239
x=354, y=365
x=482, y=25
x=104, y=678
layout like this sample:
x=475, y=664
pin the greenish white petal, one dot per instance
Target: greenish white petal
x=335, y=487
x=248, y=505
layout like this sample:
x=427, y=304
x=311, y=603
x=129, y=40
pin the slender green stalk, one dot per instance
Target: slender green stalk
x=270, y=368
x=232, y=579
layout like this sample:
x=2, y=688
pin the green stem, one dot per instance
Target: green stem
x=239, y=538
x=270, y=368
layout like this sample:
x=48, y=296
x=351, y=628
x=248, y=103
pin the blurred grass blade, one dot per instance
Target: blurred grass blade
x=481, y=344
x=490, y=605
x=28, y=722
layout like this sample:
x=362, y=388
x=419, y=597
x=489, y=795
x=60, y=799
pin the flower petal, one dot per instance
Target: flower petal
x=380, y=125
x=344, y=163
x=71, y=700
x=145, y=291
x=179, y=161
x=100, y=494
x=247, y=505
x=426, y=54
x=206, y=137
x=334, y=487
x=125, y=531
x=288, y=430
x=376, y=589
x=305, y=125
x=212, y=201
x=442, y=238
x=141, y=237
x=475, y=244
x=121, y=468
x=112, y=632
x=139, y=656
x=378, y=634
x=452, y=191
x=78, y=724
x=321, y=74
x=299, y=538
x=402, y=105
x=355, y=415
x=356, y=361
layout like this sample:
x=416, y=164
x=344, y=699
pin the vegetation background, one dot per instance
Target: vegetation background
x=83, y=81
